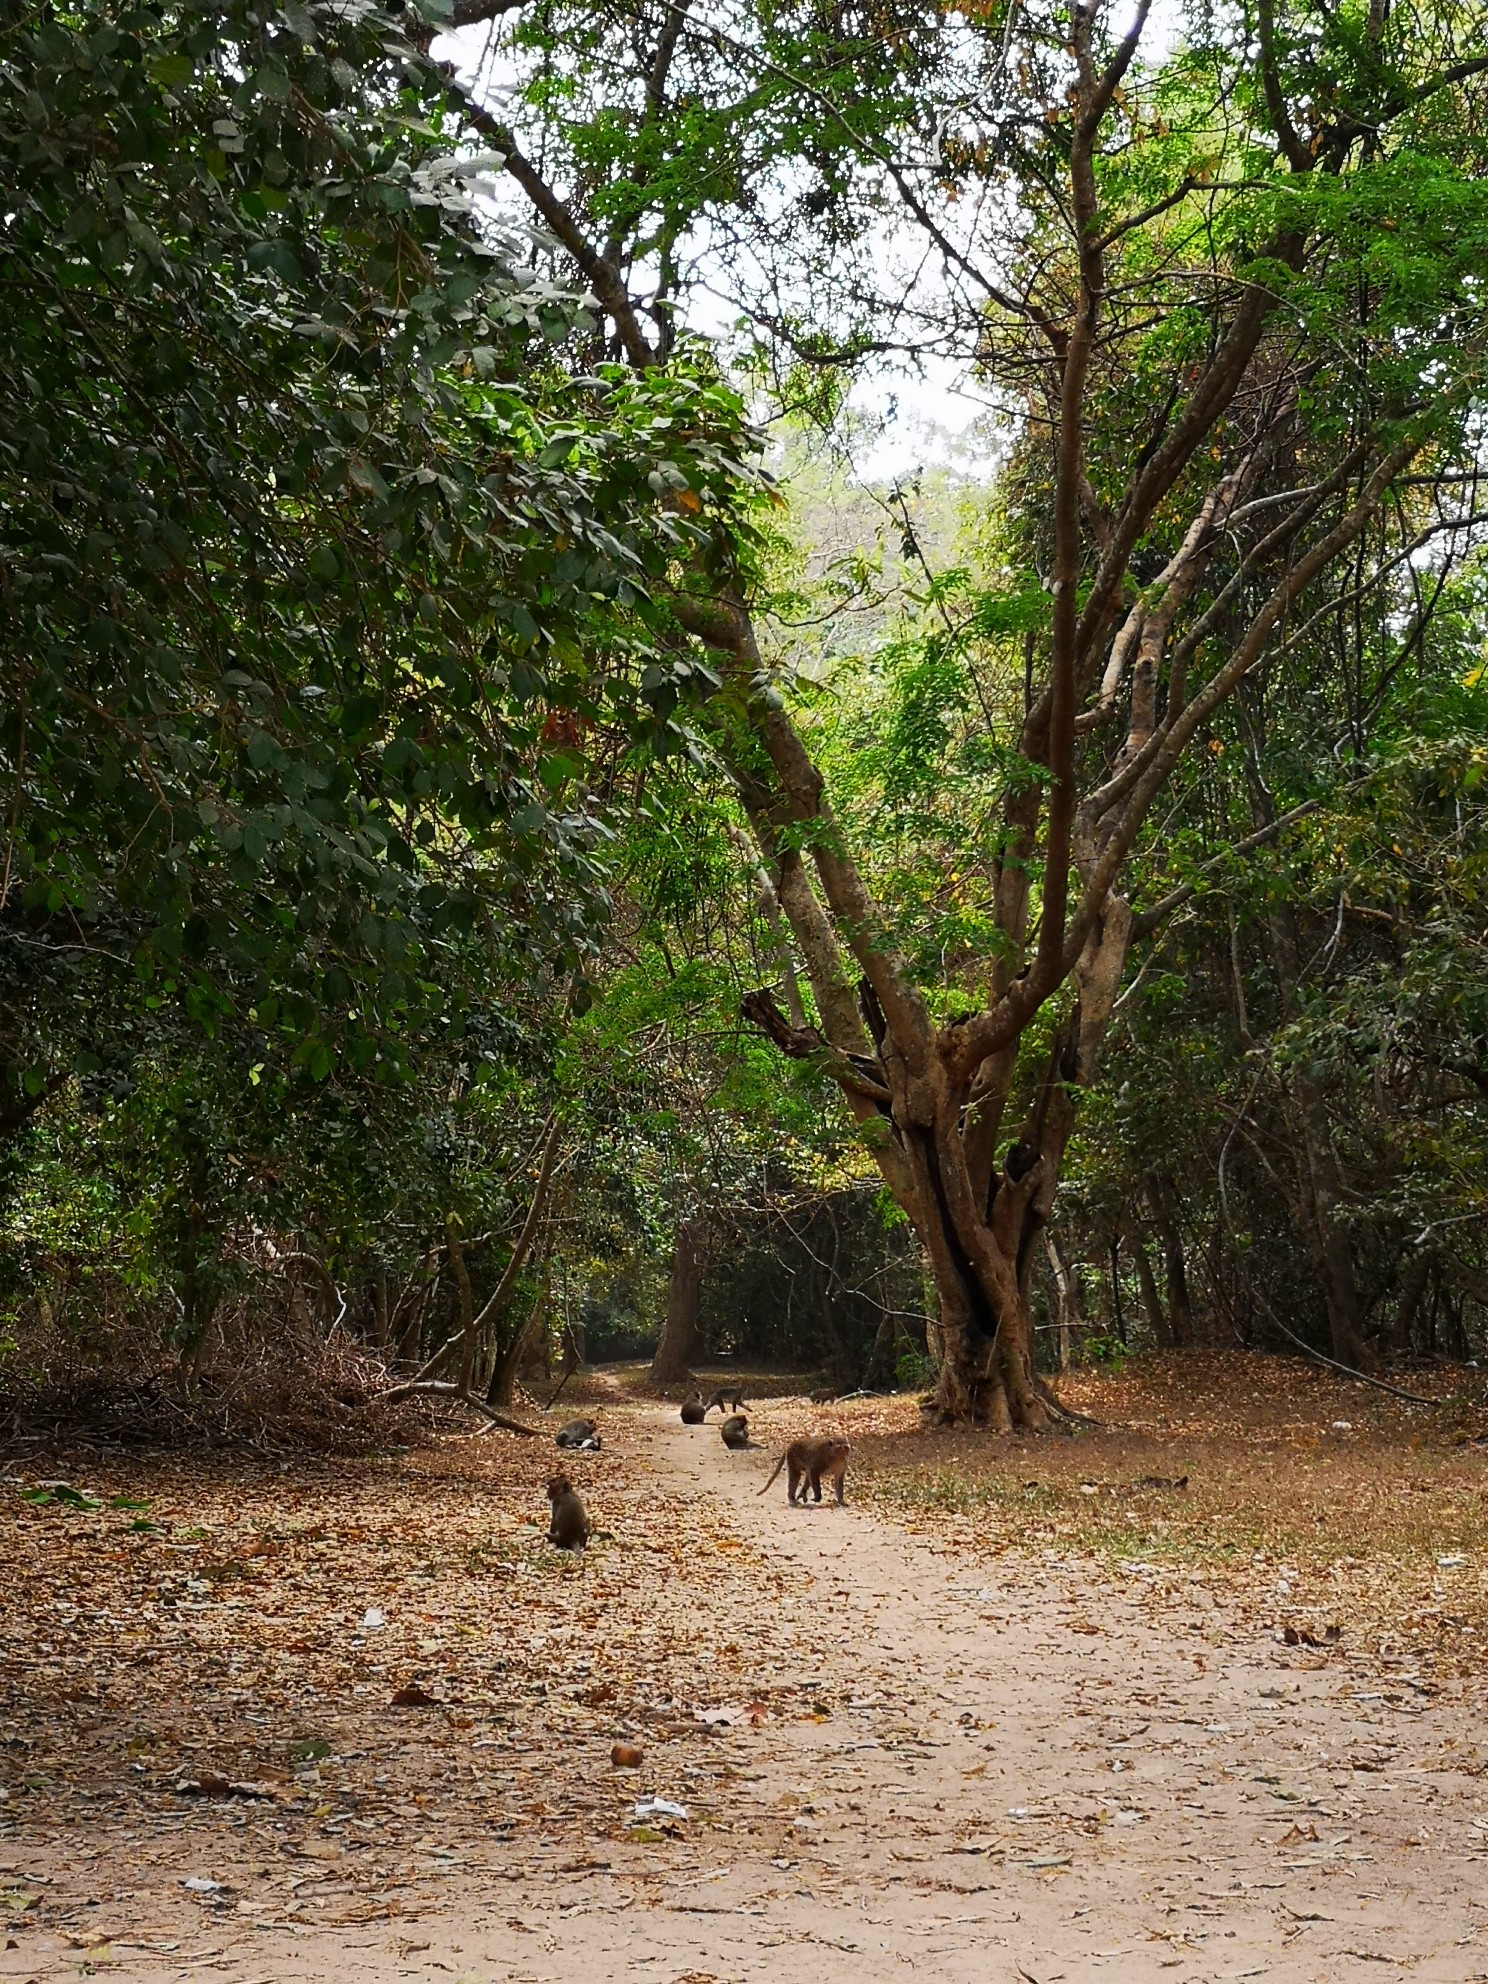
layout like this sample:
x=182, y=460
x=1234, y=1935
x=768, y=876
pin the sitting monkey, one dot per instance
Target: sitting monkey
x=569, y=1529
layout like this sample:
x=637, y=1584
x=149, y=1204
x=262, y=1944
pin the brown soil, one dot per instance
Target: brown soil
x=990, y=1731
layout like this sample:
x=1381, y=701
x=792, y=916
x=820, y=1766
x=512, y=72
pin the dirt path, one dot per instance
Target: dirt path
x=1008, y=1780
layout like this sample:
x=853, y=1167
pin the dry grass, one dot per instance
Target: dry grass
x=170, y=1616
x=1312, y=1502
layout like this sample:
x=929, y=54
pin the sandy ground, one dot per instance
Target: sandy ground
x=1016, y=1774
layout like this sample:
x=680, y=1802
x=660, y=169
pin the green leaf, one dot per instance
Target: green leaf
x=173, y=70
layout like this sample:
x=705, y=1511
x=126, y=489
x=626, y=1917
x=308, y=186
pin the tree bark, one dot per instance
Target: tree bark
x=1417, y=1275
x=1068, y=1314
x=456, y=1250
x=678, y=1346
x=509, y=1357
x=1147, y=1281
x=1163, y=1199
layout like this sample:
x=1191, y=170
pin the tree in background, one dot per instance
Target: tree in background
x=1371, y=1051
x=319, y=550
x=314, y=554
x=1229, y=298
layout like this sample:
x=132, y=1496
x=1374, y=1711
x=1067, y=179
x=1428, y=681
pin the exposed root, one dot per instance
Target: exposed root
x=1005, y=1396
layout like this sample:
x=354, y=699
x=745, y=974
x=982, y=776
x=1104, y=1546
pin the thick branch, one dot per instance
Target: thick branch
x=809, y=923
x=989, y=1031
x=1124, y=778
x=1069, y=485
x=1293, y=149
x=856, y=1074
x=725, y=626
x=470, y=13
x=1179, y=731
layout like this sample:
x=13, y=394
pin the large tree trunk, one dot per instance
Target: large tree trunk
x=982, y=1260
x=678, y=1346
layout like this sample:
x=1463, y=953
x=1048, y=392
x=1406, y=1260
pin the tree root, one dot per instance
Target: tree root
x=438, y=1388
x=1002, y=1408
x=1055, y=1405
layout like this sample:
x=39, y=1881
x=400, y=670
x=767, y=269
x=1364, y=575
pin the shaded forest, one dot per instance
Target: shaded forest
x=521, y=850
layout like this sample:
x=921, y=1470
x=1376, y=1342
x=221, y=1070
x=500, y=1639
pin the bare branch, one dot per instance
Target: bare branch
x=437, y=1388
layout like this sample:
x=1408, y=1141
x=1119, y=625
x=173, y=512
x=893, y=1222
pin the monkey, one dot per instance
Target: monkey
x=694, y=1412
x=735, y=1431
x=824, y=1396
x=808, y=1461
x=569, y=1529
x=578, y=1433
x=728, y=1398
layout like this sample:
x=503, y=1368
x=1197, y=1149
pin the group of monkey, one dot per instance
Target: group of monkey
x=808, y=1463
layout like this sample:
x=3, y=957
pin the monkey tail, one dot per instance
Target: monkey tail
x=771, y=1482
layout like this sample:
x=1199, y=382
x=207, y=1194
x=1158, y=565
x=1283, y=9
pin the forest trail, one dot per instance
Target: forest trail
x=1012, y=1776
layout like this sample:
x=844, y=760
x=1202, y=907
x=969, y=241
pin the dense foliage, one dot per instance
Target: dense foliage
x=483, y=863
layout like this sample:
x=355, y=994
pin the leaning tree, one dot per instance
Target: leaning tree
x=1226, y=288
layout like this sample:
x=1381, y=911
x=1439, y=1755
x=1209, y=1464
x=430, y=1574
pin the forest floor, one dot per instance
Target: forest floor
x=1010, y=1714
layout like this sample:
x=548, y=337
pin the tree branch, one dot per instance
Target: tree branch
x=601, y=275
x=523, y=1242
x=725, y=626
x=1147, y=921
x=470, y=13
x=436, y=1388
